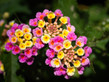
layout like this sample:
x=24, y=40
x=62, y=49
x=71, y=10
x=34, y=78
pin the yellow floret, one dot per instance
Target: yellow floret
x=67, y=44
x=2, y=67
x=60, y=55
x=34, y=40
x=77, y=63
x=28, y=43
x=51, y=15
x=61, y=35
x=63, y=20
x=70, y=71
x=45, y=38
x=19, y=33
x=11, y=23
x=28, y=36
x=22, y=46
x=65, y=32
x=41, y=23
x=80, y=52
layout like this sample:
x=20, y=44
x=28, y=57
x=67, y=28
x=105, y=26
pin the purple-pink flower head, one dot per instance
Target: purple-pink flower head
x=15, y=26
x=58, y=39
x=28, y=52
x=85, y=61
x=71, y=36
x=10, y=32
x=33, y=22
x=46, y=11
x=22, y=58
x=85, y=39
x=39, y=44
x=58, y=47
x=40, y=16
x=68, y=20
x=13, y=39
x=50, y=53
x=51, y=43
x=16, y=50
x=9, y=46
x=30, y=61
x=37, y=32
x=58, y=13
x=80, y=42
x=48, y=61
x=60, y=71
x=88, y=51
x=81, y=70
x=21, y=26
x=70, y=28
x=34, y=51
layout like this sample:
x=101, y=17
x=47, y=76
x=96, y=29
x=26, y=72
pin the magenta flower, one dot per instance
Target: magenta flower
x=85, y=39
x=40, y=16
x=22, y=58
x=33, y=22
x=71, y=36
x=66, y=76
x=34, y=51
x=9, y=46
x=58, y=39
x=58, y=13
x=80, y=70
x=85, y=61
x=10, y=32
x=16, y=50
x=46, y=11
x=60, y=71
x=88, y=51
x=68, y=20
x=15, y=26
x=28, y=52
x=39, y=44
x=50, y=53
x=57, y=47
x=37, y=32
x=30, y=61
x=70, y=28
x=48, y=61
x=21, y=26
x=51, y=43
x=80, y=42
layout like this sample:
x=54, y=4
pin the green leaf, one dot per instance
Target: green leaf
x=11, y=66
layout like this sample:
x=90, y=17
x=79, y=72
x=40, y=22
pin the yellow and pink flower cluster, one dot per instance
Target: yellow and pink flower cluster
x=67, y=52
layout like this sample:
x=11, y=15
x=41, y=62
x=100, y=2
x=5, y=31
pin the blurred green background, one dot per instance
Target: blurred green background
x=91, y=19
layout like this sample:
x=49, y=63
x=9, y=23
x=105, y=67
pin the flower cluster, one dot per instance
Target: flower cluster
x=1, y=68
x=66, y=52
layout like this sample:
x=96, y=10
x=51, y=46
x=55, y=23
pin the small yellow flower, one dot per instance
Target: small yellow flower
x=28, y=43
x=67, y=44
x=51, y=15
x=2, y=67
x=20, y=40
x=61, y=35
x=22, y=46
x=34, y=40
x=26, y=29
x=77, y=63
x=80, y=52
x=19, y=33
x=65, y=32
x=13, y=39
x=70, y=71
x=6, y=15
x=41, y=23
x=11, y=23
x=45, y=38
x=28, y=36
x=63, y=20
x=60, y=55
